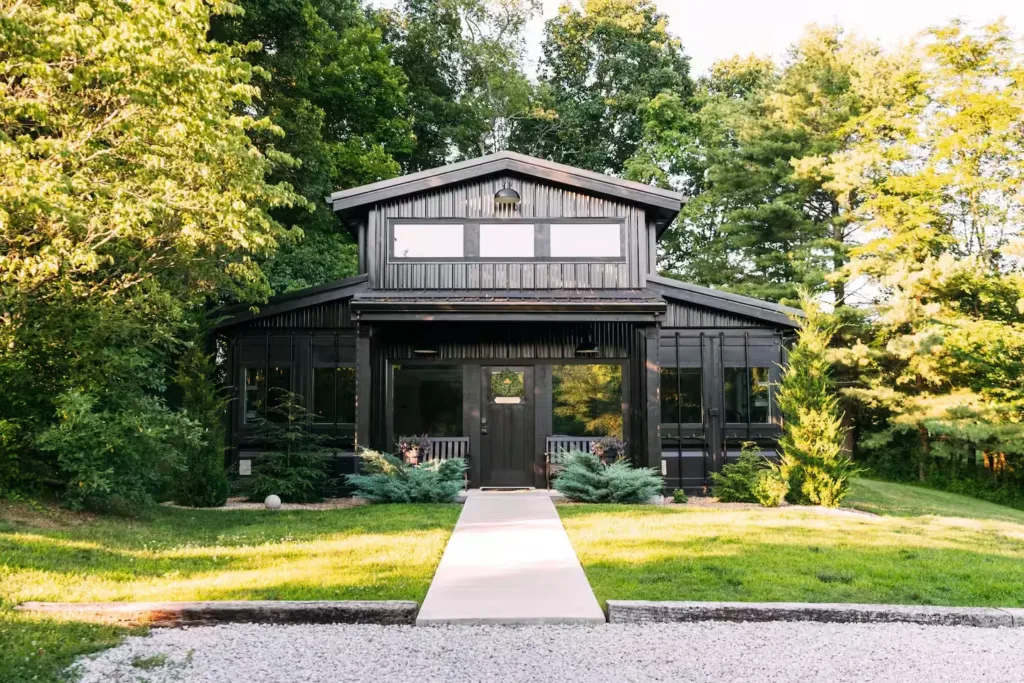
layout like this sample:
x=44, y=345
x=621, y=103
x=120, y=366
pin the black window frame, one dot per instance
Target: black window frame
x=623, y=389
x=749, y=398
x=392, y=429
x=312, y=394
x=244, y=368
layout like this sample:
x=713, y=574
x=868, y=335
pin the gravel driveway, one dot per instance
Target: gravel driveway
x=709, y=651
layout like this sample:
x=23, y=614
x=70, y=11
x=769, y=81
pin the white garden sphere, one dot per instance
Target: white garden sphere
x=273, y=502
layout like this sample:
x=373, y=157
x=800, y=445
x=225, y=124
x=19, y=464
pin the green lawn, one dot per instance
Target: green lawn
x=384, y=552
x=929, y=548
x=899, y=500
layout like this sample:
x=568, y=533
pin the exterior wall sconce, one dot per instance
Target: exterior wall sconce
x=506, y=196
x=587, y=348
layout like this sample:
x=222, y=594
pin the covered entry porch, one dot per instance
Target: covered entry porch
x=499, y=390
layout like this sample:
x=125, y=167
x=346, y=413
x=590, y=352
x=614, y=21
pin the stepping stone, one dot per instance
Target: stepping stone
x=509, y=561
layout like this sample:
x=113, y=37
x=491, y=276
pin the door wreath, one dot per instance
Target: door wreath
x=507, y=383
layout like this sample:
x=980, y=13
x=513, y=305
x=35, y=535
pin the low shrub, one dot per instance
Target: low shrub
x=735, y=483
x=679, y=496
x=586, y=479
x=116, y=456
x=770, y=488
x=294, y=462
x=387, y=479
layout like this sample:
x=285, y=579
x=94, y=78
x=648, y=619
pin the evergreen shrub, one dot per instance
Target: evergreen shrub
x=735, y=483
x=770, y=487
x=586, y=479
x=294, y=462
x=386, y=478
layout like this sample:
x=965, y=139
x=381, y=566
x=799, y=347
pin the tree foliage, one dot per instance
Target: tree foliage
x=603, y=64
x=772, y=207
x=130, y=196
x=332, y=88
x=812, y=459
x=941, y=180
x=464, y=61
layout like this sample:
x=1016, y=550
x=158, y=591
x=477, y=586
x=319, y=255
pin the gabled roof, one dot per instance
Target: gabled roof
x=303, y=298
x=663, y=204
x=725, y=301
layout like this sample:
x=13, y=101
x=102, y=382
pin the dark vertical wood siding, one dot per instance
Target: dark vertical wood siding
x=541, y=201
x=330, y=315
x=682, y=314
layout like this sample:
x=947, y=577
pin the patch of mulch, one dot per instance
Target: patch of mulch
x=244, y=504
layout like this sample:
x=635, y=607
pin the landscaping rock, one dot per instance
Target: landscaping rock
x=641, y=611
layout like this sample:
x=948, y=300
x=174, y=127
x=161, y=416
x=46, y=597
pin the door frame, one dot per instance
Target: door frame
x=529, y=371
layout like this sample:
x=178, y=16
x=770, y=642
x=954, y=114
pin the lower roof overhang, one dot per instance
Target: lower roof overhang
x=372, y=307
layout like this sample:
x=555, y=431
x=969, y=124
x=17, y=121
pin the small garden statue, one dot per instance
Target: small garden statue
x=412, y=448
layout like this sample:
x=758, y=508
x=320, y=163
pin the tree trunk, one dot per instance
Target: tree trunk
x=926, y=451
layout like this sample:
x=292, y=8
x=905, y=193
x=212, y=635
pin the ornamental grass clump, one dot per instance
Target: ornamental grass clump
x=386, y=478
x=587, y=480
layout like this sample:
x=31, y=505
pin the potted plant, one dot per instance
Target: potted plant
x=413, y=447
x=608, y=448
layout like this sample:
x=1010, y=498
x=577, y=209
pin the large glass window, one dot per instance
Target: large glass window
x=264, y=391
x=428, y=400
x=583, y=240
x=747, y=389
x=587, y=400
x=334, y=395
x=681, y=395
x=422, y=240
x=506, y=240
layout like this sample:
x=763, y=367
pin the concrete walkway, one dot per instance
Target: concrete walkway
x=509, y=561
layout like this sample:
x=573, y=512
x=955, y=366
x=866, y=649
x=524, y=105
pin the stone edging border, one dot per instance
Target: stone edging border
x=210, y=612
x=642, y=611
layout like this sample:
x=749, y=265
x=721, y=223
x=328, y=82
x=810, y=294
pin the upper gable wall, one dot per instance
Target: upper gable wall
x=475, y=199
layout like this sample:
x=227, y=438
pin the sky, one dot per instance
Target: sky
x=715, y=30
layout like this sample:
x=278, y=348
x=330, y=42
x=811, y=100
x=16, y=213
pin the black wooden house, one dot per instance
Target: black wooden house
x=507, y=306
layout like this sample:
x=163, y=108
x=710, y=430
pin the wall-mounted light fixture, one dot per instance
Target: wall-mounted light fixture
x=587, y=348
x=425, y=350
x=506, y=196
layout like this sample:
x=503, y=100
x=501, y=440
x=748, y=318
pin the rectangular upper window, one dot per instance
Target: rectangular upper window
x=428, y=240
x=506, y=240
x=586, y=240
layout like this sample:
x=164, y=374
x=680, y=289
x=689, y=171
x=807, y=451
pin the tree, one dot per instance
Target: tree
x=464, y=62
x=763, y=156
x=812, y=459
x=602, y=65
x=944, y=212
x=341, y=102
x=130, y=196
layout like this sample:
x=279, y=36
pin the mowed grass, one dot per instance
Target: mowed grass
x=938, y=551
x=900, y=500
x=386, y=552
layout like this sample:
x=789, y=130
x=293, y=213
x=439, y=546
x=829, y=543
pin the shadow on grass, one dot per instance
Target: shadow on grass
x=40, y=649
